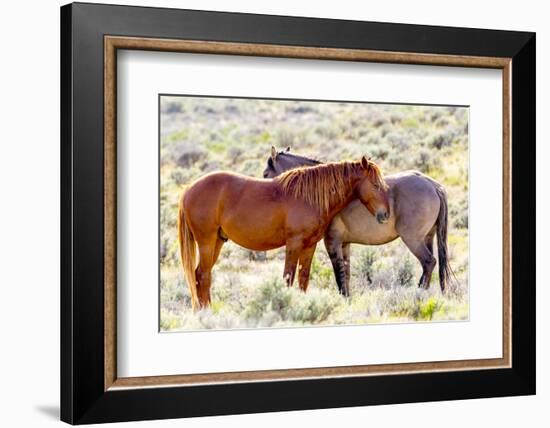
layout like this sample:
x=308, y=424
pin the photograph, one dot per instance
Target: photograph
x=280, y=213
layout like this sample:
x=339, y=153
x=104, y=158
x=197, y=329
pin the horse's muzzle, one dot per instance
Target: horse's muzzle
x=382, y=217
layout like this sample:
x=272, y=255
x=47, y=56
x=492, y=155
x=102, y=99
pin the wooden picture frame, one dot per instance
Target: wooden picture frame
x=90, y=389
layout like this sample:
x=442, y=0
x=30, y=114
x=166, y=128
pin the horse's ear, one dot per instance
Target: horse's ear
x=287, y=149
x=365, y=163
x=273, y=152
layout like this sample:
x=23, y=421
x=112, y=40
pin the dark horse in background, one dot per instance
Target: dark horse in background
x=418, y=212
x=291, y=210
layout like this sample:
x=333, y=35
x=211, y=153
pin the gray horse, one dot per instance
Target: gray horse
x=418, y=212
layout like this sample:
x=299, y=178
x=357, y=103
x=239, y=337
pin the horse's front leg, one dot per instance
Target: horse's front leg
x=291, y=261
x=346, y=252
x=334, y=250
x=305, y=266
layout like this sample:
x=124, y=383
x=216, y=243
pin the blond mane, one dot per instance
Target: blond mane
x=323, y=186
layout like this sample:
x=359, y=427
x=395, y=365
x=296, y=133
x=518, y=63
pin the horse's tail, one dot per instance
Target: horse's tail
x=188, y=253
x=445, y=271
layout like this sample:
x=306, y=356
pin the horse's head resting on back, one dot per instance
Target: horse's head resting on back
x=282, y=161
x=371, y=190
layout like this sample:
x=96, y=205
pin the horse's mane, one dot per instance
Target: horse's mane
x=299, y=158
x=325, y=185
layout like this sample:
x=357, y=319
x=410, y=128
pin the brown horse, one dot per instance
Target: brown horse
x=418, y=206
x=293, y=209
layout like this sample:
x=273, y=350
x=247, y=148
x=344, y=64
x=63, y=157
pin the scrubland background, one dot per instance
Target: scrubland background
x=200, y=135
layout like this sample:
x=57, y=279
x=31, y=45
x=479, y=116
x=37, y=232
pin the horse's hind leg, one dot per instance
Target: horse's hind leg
x=421, y=250
x=429, y=240
x=305, y=266
x=208, y=252
x=217, y=249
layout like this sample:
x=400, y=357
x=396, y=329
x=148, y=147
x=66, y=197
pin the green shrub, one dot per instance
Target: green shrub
x=322, y=274
x=405, y=272
x=428, y=308
x=367, y=258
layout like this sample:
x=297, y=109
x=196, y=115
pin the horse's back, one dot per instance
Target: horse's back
x=412, y=182
x=413, y=188
x=248, y=210
x=215, y=184
x=414, y=204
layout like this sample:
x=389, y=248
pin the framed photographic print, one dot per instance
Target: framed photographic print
x=265, y=213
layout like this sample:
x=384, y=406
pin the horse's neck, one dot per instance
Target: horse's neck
x=343, y=202
x=296, y=162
